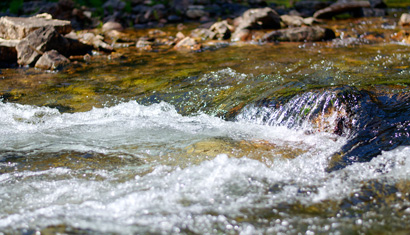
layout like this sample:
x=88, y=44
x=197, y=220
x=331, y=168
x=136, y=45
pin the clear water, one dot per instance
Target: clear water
x=131, y=169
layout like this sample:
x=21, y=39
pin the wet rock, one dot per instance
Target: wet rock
x=308, y=8
x=296, y=21
x=342, y=7
x=108, y=26
x=52, y=60
x=45, y=39
x=19, y=27
x=263, y=18
x=221, y=29
x=188, y=43
x=8, y=53
x=404, y=19
x=300, y=34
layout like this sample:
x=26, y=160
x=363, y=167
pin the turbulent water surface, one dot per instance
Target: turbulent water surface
x=244, y=141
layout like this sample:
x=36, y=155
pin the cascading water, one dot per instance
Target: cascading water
x=247, y=139
x=131, y=169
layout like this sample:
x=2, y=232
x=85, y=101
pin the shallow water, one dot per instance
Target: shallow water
x=246, y=139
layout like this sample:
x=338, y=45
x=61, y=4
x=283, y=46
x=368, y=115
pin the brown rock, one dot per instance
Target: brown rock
x=19, y=27
x=45, y=39
x=340, y=7
x=52, y=60
x=300, y=34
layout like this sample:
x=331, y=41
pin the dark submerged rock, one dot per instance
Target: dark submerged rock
x=300, y=34
x=52, y=60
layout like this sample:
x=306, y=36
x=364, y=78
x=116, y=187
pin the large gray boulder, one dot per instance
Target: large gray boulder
x=20, y=27
x=259, y=18
x=300, y=34
x=45, y=39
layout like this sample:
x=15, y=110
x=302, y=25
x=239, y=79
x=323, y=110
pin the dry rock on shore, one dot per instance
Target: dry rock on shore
x=20, y=27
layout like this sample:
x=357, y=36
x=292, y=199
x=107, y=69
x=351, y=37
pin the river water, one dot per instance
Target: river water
x=246, y=139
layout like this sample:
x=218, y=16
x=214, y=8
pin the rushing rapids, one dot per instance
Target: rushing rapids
x=252, y=139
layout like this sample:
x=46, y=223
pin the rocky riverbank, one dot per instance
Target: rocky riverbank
x=63, y=32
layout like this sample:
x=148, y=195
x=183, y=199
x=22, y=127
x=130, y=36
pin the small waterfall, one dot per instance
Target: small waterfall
x=310, y=111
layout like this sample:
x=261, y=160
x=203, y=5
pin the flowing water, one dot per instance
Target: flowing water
x=240, y=139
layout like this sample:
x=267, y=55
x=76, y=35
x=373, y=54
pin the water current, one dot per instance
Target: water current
x=247, y=141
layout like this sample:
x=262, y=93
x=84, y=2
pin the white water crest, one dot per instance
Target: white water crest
x=162, y=193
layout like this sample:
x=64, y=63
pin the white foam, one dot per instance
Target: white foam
x=202, y=197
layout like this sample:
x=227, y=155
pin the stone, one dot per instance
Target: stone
x=309, y=7
x=52, y=60
x=292, y=20
x=377, y=4
x=20, y=27
x=8, y=51
x=203, y=34
x=188, y=43
x=97, y=41
x=341, y=7
x=114, y=5
x=45, y=39
x=404, y=19
x=259, y=18
x=108, y=26
x=241, y=35
x=300, y=34
x=222, y=30
x=196, y=12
